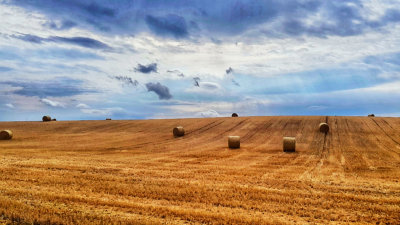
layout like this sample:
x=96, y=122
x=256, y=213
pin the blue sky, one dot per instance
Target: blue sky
x=148, y=59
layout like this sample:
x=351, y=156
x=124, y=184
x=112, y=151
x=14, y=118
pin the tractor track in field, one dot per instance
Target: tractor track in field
x=263, y=127
x=188, y=135
x=136, y=172
x=205, y=127
x=379, y=140
x=383, y=130
x=222, y=134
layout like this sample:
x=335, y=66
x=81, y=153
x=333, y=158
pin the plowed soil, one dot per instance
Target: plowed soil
x=136, y=172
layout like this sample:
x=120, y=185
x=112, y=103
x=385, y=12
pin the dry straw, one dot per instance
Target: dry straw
x=324, y=127
x=46, y=118
x=235, y=115
x=178, y=131
x=289, y=144
x=6, y=135
x=234, y=141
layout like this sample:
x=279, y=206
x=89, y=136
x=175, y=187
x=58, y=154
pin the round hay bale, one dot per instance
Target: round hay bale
x=54, y=119
x=234, y=141
x=108, y=118
x=324, y=127
x=235, y=115
x=289, y=144
x=371, y=115
x=178, y=131
x=6, y=135
x=46, y=118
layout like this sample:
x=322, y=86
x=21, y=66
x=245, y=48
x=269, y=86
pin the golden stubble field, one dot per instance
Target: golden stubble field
x=136, y=172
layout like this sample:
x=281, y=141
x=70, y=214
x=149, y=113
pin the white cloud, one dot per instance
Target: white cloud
x=390, y=75
x=103, y=112
x=82, y=106
x=208, y=113
x=182, y=109
x=52, y=103
x=262, y=56
x=388, y=114
x=387, y=88
x=9, y=105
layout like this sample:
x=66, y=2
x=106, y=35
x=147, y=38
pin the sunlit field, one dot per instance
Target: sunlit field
x=136, y=172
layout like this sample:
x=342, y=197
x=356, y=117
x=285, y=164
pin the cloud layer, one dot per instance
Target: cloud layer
x=152, y=67
x=80, y=41
x=161, y=90
x=182, y=19
x=167, y=59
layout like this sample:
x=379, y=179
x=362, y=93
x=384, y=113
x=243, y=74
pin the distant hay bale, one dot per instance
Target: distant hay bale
x=46, y=118
x=6, y=135
x=178, y=131
x=235, y=115
x=289, y=144
x=54, y=119
x=108, y=118
x=234, y=141
x=371, y=115
x=324, y=127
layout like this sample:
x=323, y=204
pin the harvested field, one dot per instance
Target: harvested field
x=93, y=172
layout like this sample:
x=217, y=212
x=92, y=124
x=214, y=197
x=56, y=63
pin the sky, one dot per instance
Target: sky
x=152, y=59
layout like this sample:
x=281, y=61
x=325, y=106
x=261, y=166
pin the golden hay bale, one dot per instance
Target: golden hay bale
x=324, y=127
x=46, y=118
x=178, y=131
x=234, y=141
x=289, y=144
x=54, y=119
x=235, y=115
x=108, y=118
x=371, y=115
x=6, y=135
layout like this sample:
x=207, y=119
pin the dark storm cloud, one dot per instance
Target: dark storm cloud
x=180, y=18
x=161, y=90
x=30, y=38
x=59, y=87
x=170, y=25
x=235, y=83
x=229, y=70
x=127, y=80
x=64, y=25
x=152, y=67
x=97, y=10
x=80, y=41
x=196, y=81
x=177, y=72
